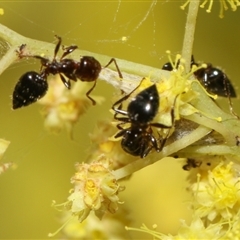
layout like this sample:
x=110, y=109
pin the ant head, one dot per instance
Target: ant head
x=88, y=69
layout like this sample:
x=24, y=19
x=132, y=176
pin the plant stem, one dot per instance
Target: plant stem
x=131, y=71
x=132, y=74
x=189, y=32
x=167, y=151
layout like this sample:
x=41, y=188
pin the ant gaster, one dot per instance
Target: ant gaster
x=213, y=79
x=138, y=139
x=33, y=86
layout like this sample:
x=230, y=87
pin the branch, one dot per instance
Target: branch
x=189, y=32
x=206, y=117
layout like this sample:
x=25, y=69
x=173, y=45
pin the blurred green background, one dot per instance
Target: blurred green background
x=46, y=161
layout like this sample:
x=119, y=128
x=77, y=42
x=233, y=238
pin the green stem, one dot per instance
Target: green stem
x=129, y=70
x=170, y=149
x=189, y=32
x=229, y=127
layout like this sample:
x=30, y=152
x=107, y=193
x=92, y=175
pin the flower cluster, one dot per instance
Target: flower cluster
x=63, y=107
x=223, y=5
x=216, y=204
x=95, y=189
x=196, y=230
x=102, y=143
x=216, y=194
x=94, y=228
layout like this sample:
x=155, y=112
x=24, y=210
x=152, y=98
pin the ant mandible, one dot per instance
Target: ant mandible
x=138, y=139
x=32, y=85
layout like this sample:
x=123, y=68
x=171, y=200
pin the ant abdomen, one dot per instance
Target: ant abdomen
x=30, y=87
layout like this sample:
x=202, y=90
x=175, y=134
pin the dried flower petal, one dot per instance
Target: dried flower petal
x=95, y=189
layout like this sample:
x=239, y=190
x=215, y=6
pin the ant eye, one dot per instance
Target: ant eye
x=30, y=87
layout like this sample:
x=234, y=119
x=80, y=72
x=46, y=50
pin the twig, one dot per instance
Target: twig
x=189, y=32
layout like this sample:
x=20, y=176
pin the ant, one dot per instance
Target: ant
x=138, y=139
x=213, y=79
x=32, y=85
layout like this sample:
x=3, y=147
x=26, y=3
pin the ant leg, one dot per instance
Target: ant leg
x=68, y=50
x=154, y=142
x=123, y=120
x=113, y=60
x=144, y=153
x=162, y=144
x=65, y=82
x=118, y=110
x=20, y=51
x=121, y=133
x=22, y=47
x=159, y=125
x=89, y=91
x=119, y=126
x=20, y=54
x=57, y=46
x=228, y=94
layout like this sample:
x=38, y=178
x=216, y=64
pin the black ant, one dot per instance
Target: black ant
x=33, y=86
x=138, y=139
x=213, y=79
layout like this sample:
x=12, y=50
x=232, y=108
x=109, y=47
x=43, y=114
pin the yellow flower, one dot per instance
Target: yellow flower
x=95, y=189
x=63, y=107
x=223, y=5
x=102, y=143
x=94, y=228
x=234, y=230
x=217, y=195
x=196, y=230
